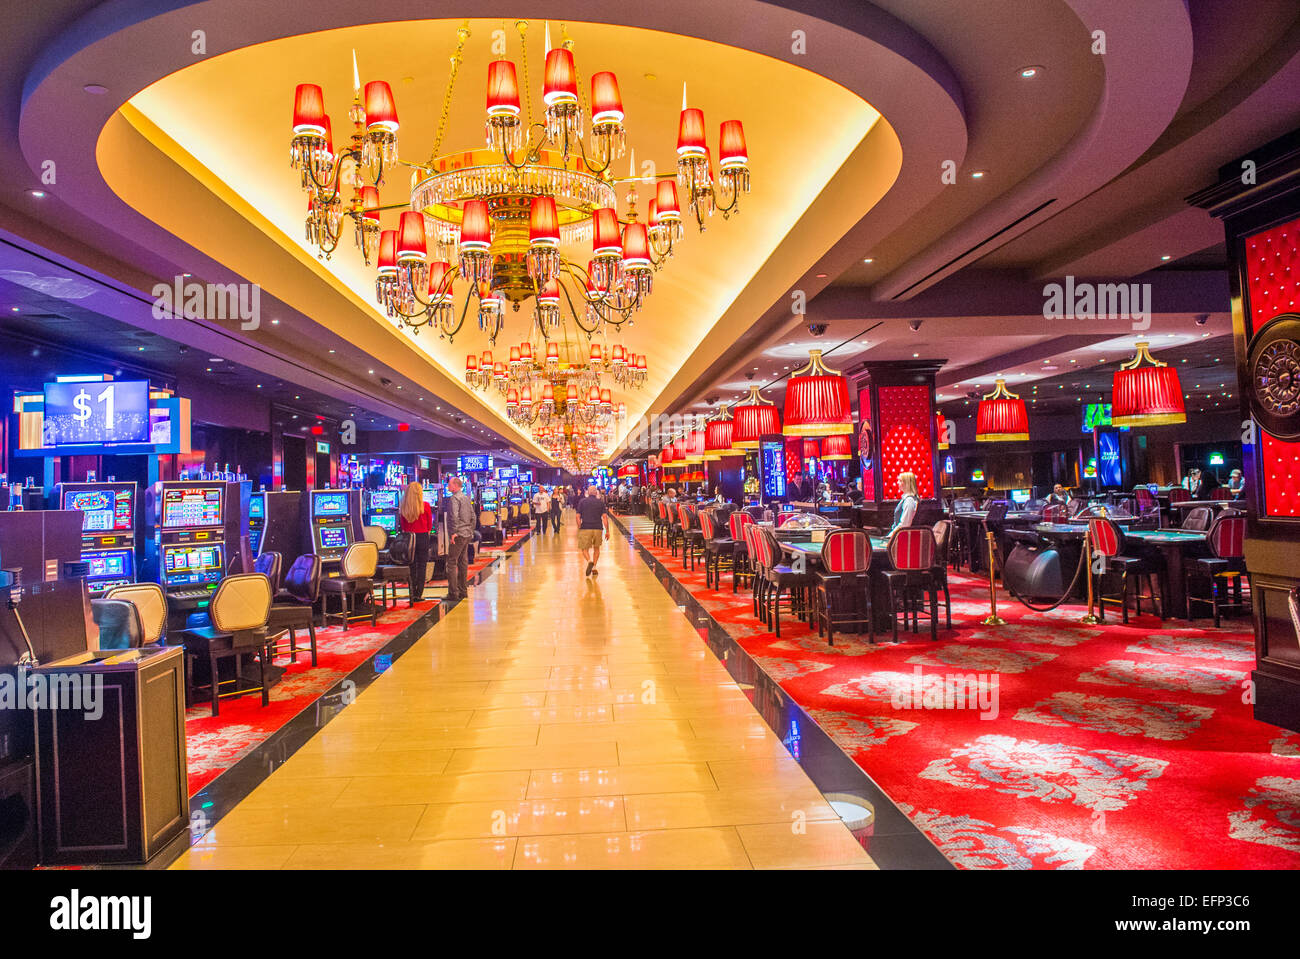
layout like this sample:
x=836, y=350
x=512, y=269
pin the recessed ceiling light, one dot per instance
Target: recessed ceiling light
x=869, y=259
x=15, y=309
x=39, y=194
x=915, y=355
x=275, y=322
x=1030, y=72
x=977, y=174
x=215, y=359
x=821, y=276
x=97, y=89
x=1165, y=258
x=372, y=372
x=331, y=351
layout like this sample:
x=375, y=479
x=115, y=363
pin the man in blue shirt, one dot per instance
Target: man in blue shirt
x=593, y=516
x=461, y=524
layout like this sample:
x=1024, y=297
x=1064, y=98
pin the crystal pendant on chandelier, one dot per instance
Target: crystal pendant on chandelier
x=543, y=256
x=476, y=243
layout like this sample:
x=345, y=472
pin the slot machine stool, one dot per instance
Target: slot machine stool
x=294, y=606
x=355, y=581
x=240, y=609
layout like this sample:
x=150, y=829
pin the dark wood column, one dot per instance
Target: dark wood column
x=896, y=429
x=1258, y=199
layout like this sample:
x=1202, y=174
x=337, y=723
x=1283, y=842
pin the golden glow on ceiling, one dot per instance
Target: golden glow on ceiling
x=230, y=116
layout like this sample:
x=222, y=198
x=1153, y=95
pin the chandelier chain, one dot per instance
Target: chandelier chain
x=462, y=34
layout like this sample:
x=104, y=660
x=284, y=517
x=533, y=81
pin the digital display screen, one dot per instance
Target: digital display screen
x=256, y=507
x=387, y=521
x=507, y=472
x=186, y=565
x=1109, y=468
x=109, y=563
x=1216, y=459
x=329, y=504
x=87, y=413
x=383, y=499
x=431, y=496
x=977, y=476
x=185, y=507
x=474, y=463
x=525, y=476
x=489, y=497
x=773, y=465
x=105, y=510
x=1020, y=496
x=1095, y=415
x=333, y=537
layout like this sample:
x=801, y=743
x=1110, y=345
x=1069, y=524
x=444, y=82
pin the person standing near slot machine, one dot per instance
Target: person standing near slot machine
x=417, y=519
x=541, y=508
x=461, y=523
x=555, y=508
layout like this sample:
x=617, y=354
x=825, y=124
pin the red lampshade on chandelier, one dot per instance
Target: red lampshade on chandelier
x=837, y=447
x=693, y=448
x=812, y=450
x=755, y=418
x=717, y=436
x=817, y=401
x=1150, y=395
x=1002, y=417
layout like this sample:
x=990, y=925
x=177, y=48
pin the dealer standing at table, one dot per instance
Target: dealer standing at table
x=460, y=518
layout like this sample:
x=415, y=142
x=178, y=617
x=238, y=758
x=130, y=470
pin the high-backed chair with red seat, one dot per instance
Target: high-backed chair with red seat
x=1226, y=565
x=1179, y=494
x=843, y=584
x=718, y=550
x=741, y=568
x=1108, y=546
x=911, y=552
x=781, y=578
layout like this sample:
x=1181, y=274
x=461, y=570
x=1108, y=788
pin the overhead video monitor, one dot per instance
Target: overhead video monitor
x=79, y=414
x=193, y=506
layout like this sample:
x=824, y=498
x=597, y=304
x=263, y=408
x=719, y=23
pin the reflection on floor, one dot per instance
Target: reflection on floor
x=1106, y=746
x=553, y=720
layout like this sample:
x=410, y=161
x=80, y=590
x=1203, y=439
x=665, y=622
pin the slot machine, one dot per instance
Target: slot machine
x=198, y=529
x=256, y=521
x=334, y=522
x=277, y=527
x=382, y=507
x=108, y=521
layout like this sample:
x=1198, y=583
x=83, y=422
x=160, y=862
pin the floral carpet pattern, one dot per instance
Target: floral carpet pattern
x=215, y=743
x=1044, y=743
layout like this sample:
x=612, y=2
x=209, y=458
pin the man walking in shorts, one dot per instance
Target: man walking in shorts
x=593, y=517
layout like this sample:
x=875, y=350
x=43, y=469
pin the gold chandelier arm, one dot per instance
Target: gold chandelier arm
x=1000, y=392
x=1143, y=353
x=815, y=366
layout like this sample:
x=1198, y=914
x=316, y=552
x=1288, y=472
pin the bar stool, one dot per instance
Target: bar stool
x=294, y=607
x=942, y=541
x=718, y=551
x=741, y=569
x=1108, y=540
x=692, y=536
x=674, y=528
x=757, y=560
x=239, y=612
x=1225, y=565
x=781, y=577
x=911, y=552
x=1198, y=519
x=660, y=524
x=843, y=580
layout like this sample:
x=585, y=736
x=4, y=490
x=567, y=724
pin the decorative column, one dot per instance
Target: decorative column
x=1258, y=199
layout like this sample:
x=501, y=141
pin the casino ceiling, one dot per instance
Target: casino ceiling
x=912, y=160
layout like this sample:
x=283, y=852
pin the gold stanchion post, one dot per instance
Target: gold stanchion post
x=1089, y=619
x=993, y=619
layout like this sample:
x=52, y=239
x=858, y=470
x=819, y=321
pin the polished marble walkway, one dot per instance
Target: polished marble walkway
x=551, y=721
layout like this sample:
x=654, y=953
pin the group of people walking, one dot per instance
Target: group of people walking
x=548, y=506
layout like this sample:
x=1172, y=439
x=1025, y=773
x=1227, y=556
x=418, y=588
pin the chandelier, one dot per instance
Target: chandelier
x=493, y=223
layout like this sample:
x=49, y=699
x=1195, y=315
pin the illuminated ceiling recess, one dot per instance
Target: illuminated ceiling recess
x=190, y=112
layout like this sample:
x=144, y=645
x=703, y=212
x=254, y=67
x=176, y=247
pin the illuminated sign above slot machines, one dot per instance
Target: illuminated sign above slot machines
x=474, y=463
x=79, y=414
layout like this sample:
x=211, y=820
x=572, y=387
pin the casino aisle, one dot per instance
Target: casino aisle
x=551, y=721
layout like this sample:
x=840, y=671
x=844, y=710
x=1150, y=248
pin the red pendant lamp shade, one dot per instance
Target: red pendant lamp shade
x=837, y=447
x=388, y=251
x=605, y=238
x=410, y=236
x=817, y=401
x=694, y=449
x=475, y=226
x=690, y=134
x=731, y=145
x=666, y=207
x=812, y=450
x=939, y=430
x=717, y=436
x=543, y=222
x=1146, y=395
x=308, y=110
x=1002, y=417
x=561, y=85
x=636, y=246
x=755, y=418
x=606, y=101
x=381, y=111
x=370, y=203
x=440, y=285
x=502, y=89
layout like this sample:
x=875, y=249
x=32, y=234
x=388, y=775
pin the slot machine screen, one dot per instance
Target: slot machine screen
x=103, y=510
x=387, y=521
x=193, y=506
x=1020, y=496
x=383, y=499
x=332, y=537
x=191, y=565
x=431, y=496
x=329, y=504
x=115, y=563
x=489, y=498
x=256, y=507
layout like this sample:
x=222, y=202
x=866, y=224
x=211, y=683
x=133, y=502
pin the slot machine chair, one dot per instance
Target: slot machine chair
x=150, y=602
x=1106, y=538
x=239, y=610
x=491, y=532
x=294, y=605
x=118, y=622
x=355, y=581
x=395, y=555
x=912, y=555
x=379, y=536
x=842, y=596
x=269, y=564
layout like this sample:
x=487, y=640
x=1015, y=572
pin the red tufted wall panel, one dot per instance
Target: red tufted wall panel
x=906, y=418
x=1273, y=287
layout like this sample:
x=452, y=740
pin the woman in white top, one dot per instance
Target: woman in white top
x=905, y=511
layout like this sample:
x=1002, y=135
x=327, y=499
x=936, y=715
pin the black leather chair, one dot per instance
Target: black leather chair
x=150, y=603
x=294, y=606
x=118, y=622
x=239, y=610
x=396, y=570
x=270, y=565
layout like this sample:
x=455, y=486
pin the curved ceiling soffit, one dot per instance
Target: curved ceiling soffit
x=924, y=99
x=1141, y=96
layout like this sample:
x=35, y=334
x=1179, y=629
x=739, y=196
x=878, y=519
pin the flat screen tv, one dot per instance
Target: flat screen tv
x=83, y=414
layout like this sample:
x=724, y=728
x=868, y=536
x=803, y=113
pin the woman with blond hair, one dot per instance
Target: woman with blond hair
x=905, y=511
x=417, y=519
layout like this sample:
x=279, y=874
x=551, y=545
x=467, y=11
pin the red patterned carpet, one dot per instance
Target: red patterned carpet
x=214, y=744
x=1085, y=747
